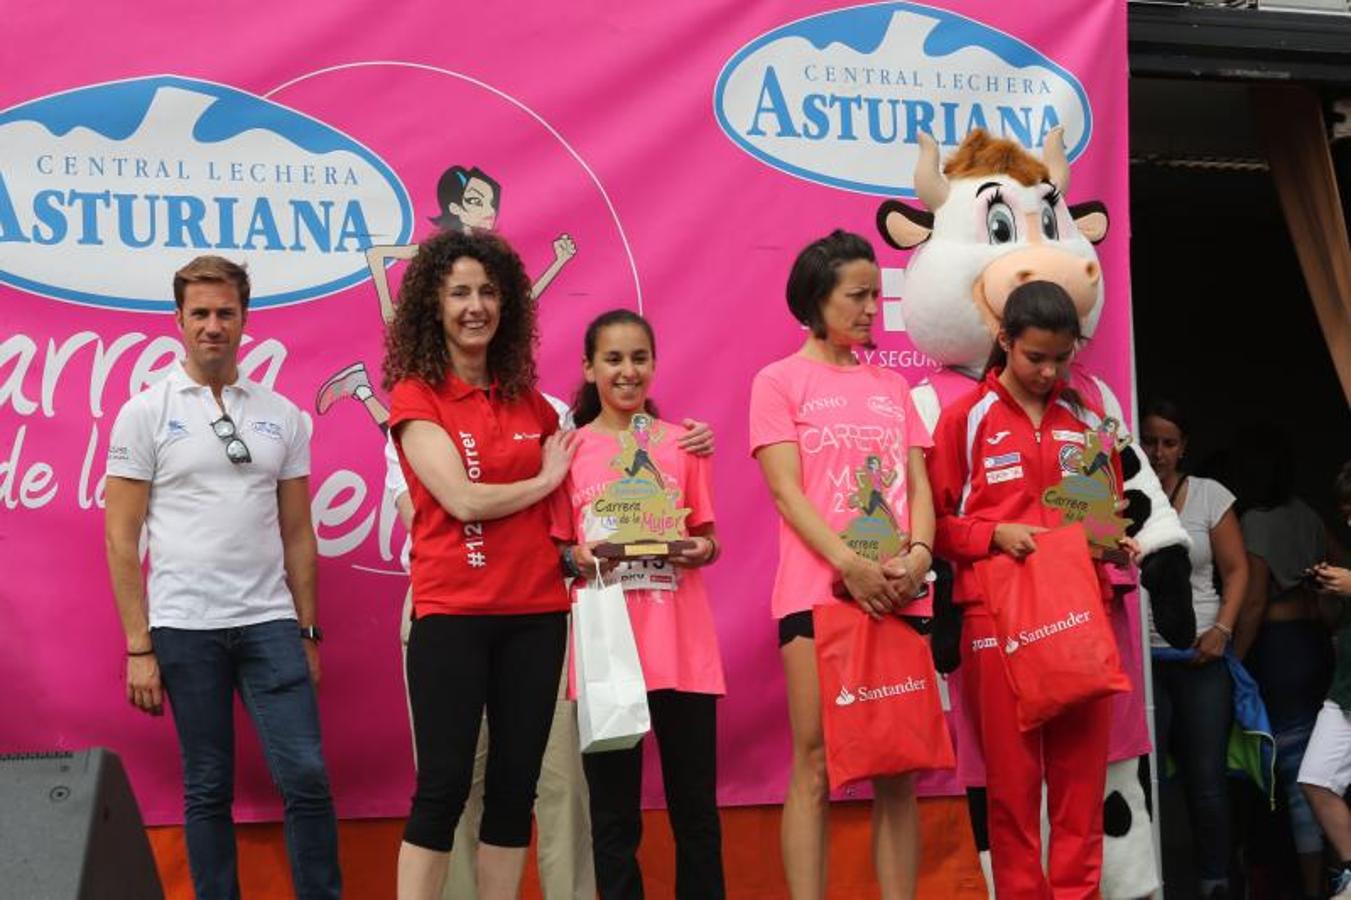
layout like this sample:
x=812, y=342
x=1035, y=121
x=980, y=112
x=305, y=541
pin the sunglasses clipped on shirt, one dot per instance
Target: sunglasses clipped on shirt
x=235, y=448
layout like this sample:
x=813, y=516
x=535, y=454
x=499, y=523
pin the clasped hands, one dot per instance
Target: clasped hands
x=882, y=589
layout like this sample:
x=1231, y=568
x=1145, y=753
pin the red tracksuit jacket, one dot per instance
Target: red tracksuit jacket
x=989, y=464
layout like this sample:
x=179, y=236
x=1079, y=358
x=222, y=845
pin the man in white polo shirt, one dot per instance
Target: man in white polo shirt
x=216, y=467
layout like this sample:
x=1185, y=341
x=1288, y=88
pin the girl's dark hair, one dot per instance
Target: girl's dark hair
x=586, y=401
x=1341, y=485
x=814, y=274
x=1035, y=304
x=450, y=189
x=1167, y=410
x=1263, y=466
x=415, y=343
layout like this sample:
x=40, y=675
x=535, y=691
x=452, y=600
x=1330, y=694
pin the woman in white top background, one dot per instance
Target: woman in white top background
x=1193, y=700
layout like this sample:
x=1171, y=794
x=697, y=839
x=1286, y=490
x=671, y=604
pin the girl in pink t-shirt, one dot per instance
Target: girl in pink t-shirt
x=836, y=439
x=619, y=437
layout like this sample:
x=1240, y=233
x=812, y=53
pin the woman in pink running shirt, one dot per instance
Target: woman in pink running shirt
x=668, y=609
x=823, y=425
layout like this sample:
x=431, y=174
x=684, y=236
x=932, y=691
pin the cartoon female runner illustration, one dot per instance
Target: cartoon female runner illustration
x=643, y=439
x=872, y=484
x=466, y=198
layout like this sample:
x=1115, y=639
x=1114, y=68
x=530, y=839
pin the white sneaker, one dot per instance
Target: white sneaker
x=1339, y=886
x=344, y=384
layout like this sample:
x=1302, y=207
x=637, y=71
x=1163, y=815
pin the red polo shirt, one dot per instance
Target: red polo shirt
x=498, y=567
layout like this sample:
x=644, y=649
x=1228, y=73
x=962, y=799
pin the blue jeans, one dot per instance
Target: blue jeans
x=200, y=671
x=1290, y=746
x=1193, y=710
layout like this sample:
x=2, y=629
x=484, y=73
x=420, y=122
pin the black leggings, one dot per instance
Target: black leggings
x=456, y=666
x=687, y=737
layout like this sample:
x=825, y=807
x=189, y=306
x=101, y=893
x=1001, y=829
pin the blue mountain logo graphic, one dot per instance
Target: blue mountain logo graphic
x=840, y=97
x=108, y=188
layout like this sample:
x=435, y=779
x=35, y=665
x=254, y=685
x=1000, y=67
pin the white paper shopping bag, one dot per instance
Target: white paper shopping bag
x=611, y=693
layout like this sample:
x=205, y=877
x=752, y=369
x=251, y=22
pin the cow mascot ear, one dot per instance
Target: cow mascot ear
x=902, y=226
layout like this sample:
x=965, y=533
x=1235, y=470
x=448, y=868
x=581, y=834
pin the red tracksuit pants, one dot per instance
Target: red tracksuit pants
x=1069, y=752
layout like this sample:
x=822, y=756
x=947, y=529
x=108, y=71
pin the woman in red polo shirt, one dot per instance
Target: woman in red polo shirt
x=482, y=452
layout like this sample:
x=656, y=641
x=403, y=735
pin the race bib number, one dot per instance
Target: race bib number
x=648, y=575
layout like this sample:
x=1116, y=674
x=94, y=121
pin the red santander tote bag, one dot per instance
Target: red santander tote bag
x=1054, y=634
x=880, y=707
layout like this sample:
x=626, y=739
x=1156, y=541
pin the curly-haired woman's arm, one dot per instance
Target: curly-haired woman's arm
x=435, y=461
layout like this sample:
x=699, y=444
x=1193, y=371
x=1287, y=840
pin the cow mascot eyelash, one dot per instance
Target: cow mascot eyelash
x=994, y=218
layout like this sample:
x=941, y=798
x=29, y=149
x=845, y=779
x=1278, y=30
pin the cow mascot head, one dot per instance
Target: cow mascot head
x=993, y=218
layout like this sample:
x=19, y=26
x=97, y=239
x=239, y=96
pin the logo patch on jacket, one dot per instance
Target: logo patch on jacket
x=1003, y=459
x=1008, y=474
x=1071, y=459
x=269, y=430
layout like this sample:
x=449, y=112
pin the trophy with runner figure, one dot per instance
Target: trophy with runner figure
x=874, y=534
x=1089, y=494
x=639, y=509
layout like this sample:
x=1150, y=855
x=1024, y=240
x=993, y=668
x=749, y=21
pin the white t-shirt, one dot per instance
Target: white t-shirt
x=1206, y=503
x=1290, y=538
x=216, y=557
x=395, y=485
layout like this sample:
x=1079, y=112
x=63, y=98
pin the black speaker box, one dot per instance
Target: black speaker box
x=70, y=829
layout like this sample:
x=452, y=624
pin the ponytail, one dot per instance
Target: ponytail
x=1037, y=304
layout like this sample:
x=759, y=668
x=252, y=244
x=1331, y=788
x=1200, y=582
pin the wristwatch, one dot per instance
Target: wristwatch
x=312, y=633
x=569, y=560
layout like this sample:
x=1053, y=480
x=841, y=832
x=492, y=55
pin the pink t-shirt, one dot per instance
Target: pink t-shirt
x=668, y=607
x=841, y=418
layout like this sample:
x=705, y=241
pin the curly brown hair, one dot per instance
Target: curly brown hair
x=415, y=343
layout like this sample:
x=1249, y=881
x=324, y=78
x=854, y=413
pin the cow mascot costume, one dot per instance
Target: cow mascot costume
x=996, y=217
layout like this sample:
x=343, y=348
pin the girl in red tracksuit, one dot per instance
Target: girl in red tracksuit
x=994, y=453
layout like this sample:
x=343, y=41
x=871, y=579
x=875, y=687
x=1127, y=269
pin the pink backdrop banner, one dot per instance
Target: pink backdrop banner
x=670, y=158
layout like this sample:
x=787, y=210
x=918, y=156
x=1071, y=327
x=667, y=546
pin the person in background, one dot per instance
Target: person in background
x=1325, y=772
x=1281, y=636
x=1193, y=700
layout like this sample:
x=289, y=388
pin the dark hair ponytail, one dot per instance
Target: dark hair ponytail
x=1037, y=304
x=586, y=400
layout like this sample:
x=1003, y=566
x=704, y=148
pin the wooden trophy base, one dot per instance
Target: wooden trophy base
x=640, y=550
x=1114, y=555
